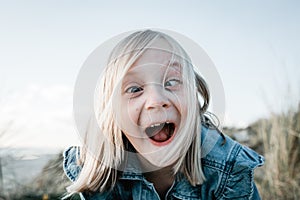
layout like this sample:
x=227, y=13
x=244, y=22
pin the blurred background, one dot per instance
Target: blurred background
x=254, y=45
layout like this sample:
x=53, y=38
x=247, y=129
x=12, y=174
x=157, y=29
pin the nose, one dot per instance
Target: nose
x=156, y=98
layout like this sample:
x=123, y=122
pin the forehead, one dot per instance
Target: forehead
x=159, y=52
x=154, y=69
x=159, y=58
x=155, y=62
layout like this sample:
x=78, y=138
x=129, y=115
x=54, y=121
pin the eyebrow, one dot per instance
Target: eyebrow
x=175, y=65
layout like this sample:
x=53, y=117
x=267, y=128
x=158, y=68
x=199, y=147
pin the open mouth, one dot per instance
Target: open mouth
x=160, y=132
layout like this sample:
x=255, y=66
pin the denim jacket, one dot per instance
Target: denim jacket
x=228, y=168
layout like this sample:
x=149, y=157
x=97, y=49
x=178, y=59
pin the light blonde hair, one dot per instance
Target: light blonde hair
x=99, y=168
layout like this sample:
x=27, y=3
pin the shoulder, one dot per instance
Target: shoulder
x=72, y=169
x=232, y=163
x=70, y=163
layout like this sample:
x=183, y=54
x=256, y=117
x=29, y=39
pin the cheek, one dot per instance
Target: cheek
x=131, y=110
x=180, y=102
x=129, y=120
x=183, y=109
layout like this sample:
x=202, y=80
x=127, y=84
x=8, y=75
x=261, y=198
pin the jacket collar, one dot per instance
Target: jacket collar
x=181, y=189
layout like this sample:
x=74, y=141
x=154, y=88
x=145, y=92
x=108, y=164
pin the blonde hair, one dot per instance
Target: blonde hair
x=99, y=168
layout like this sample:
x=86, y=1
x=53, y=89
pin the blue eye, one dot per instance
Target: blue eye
x=172, y=83
x=133, y=89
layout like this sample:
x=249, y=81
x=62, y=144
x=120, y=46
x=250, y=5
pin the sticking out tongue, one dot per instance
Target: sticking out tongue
x=160, y=132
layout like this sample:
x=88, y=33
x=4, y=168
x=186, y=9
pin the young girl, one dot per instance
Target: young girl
x=153, y=138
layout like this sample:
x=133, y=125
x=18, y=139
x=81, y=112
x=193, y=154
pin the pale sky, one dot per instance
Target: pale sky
x=254, y=45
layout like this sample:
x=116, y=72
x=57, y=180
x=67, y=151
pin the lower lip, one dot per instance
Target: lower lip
x=165, y=142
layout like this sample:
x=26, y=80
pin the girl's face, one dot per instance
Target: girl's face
x=153, y=103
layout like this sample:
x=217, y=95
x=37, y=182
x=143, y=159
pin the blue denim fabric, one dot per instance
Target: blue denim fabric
x=228, y=169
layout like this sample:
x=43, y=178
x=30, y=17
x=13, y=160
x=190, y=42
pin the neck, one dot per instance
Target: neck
x=162, y=180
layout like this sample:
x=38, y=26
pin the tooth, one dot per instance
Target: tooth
x=158, y=124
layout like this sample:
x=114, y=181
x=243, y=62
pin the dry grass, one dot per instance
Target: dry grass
x=280, y=135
